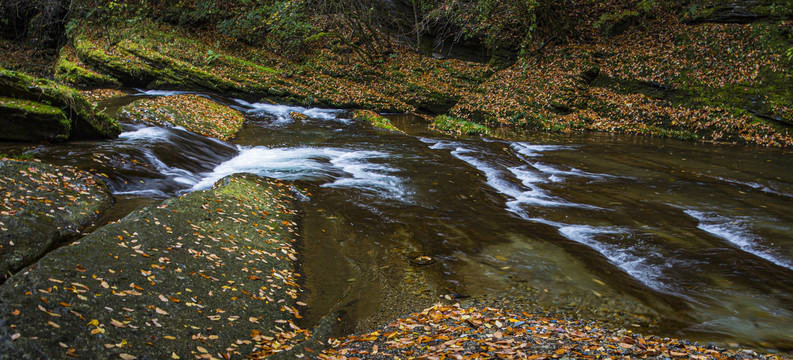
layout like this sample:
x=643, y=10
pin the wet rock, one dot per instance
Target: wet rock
x=86, y=122
x=25, y=120
x=195, y=113
x=208, y=274
x=42, y=206
x=297, y=116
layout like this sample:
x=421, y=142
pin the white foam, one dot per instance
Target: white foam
x=161, y=92
x=281, y=112
x=146, y=192
x=528, y=192
x=532, y=150
x=179, y=175
x=737, y=232
x=362, y=170
x=633, y=260
x=147, y=134
x=757, y=186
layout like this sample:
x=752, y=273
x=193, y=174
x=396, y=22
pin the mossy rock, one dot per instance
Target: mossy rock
x=70, y=70
x=43, y=206
x=195, y=113
x=377, y=121
x=86, y=122
x=209, y=273
x=735, y=11
x=30, y=121
x=455, y=126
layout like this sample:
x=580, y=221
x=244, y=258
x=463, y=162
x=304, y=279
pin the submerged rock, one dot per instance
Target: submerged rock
x=211, y=273
x=42, y=206
x=85, y=121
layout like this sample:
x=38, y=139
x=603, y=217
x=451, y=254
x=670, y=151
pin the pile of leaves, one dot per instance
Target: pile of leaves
x=193, y=112
x=454, y=332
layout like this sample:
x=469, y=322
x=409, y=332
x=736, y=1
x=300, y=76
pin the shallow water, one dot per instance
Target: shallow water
x=687, y=239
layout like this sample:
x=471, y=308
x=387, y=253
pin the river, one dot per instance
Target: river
x=675, y=238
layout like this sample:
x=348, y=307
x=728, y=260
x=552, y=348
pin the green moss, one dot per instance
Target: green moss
x=70, y=72
x=86, y=122
x=25, y=120
x=449, y=124
x=30, y=106
x=377, y=121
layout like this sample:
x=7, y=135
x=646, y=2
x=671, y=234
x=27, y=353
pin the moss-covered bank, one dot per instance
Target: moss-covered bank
x=84, y=120
x=209, y=274
x=43, y=205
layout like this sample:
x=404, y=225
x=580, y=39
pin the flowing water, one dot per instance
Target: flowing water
x=683, y=239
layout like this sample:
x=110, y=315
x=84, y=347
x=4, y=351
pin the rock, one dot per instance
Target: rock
x=195, y=113
x=86, y=122
x=211, y=273
x=297, y=116
x=729, y=11
x=43, y=205
x=70, y=70
x=25, y=120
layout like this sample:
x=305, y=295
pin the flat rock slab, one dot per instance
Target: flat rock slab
x=207, y=275
x=43, y=205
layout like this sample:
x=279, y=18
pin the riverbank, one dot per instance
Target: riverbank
x=668, y=76
x=471, y=332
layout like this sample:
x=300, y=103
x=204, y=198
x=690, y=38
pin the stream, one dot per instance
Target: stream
x=673, y=238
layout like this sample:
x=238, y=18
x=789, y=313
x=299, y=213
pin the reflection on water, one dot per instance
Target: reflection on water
x=694, y=239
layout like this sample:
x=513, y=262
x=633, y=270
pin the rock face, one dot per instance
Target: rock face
x=24, y=120
x=42, y=206
x=208, y=274
x=85, y=122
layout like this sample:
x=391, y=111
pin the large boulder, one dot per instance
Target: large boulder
x=43, y=205
x=211, y=274
x=196, y=113
x=25, y=120
x=86, y=122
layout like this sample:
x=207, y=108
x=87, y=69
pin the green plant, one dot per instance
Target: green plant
x=23, y=156
x=211, y=57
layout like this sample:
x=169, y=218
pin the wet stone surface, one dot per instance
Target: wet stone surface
x=210, y=274
x=43, y=205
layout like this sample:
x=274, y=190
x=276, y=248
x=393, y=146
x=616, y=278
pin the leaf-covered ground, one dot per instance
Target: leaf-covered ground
x=713, y=82
x=193, y=112
x=455, y=332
